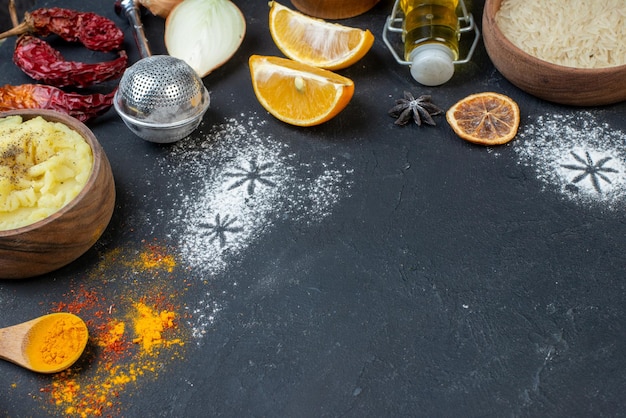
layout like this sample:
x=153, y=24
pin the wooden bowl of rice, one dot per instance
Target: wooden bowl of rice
x=563, y=54
x=32, y=247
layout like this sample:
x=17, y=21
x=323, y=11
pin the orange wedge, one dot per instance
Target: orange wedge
x=297, y=93
x=316, y=42
x=485, y=118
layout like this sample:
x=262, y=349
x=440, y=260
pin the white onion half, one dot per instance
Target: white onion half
x=204, y=33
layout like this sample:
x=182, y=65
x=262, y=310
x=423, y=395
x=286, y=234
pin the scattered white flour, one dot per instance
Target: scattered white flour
x=202, y=316
x=576, y=155
x=238, y=182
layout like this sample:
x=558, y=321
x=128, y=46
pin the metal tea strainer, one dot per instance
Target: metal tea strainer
x=160, y=98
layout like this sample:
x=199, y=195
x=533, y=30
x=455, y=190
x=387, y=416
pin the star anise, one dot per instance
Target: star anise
x=420, y=110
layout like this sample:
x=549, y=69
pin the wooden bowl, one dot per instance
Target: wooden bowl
x=555, y=83
x=334, y=9
x=62, y=237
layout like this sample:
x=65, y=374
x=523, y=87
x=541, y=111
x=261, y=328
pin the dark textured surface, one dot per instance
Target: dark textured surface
x=449, y=280
x=20, y=5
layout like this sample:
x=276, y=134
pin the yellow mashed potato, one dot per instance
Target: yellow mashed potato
x=43, y=166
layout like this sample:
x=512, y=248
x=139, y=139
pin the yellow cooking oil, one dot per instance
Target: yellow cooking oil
x=430, y=22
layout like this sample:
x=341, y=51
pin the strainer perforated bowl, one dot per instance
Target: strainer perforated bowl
x=161, y=99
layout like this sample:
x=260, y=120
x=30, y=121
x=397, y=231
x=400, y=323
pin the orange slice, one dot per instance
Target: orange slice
x=485, y=118
x=297, y=93
x=316, y=42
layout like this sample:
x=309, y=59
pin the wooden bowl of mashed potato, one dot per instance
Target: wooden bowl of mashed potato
x=560, y=53
x=57, y=192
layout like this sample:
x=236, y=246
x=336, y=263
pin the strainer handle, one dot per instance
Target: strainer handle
x=131, y=10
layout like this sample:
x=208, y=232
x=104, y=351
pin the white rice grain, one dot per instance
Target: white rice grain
x=572, y=33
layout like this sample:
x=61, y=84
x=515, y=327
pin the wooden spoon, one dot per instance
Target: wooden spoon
x=23, y=343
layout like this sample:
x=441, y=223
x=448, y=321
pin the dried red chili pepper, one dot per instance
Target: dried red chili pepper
x=83, y=107
x=42, y=62
x=95, y=32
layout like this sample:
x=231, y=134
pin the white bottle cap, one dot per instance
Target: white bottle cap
x=432, y=64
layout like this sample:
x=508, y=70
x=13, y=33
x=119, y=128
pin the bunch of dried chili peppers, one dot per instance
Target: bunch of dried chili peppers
x=38, y=59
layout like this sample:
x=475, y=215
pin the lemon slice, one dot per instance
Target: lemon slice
x=316, y=42
x=297, y=93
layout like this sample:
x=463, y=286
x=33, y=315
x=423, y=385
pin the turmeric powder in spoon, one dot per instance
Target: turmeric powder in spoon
x=47, y=344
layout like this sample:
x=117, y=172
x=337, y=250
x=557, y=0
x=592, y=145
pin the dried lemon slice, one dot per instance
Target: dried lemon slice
x=485, y=118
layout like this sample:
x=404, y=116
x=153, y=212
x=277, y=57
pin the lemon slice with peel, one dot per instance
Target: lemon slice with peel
x=297, y=93
x=315, y=41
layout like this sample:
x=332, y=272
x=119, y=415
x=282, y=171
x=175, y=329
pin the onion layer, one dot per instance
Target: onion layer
x=204, y=33
x=160, y=8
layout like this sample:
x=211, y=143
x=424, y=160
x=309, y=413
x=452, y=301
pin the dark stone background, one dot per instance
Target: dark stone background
x=20, y=5
x=448, y=284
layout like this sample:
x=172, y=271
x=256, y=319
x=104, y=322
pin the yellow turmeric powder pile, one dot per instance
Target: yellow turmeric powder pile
x=149, y=326
x=155, y=258
x=57, y=342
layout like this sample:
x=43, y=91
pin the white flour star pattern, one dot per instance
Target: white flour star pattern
x=252, y=175
x=220, y=228
x=595, y=172
x=576, y=155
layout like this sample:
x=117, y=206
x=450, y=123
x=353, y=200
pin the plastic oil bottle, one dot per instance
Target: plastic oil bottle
x=431, y=39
